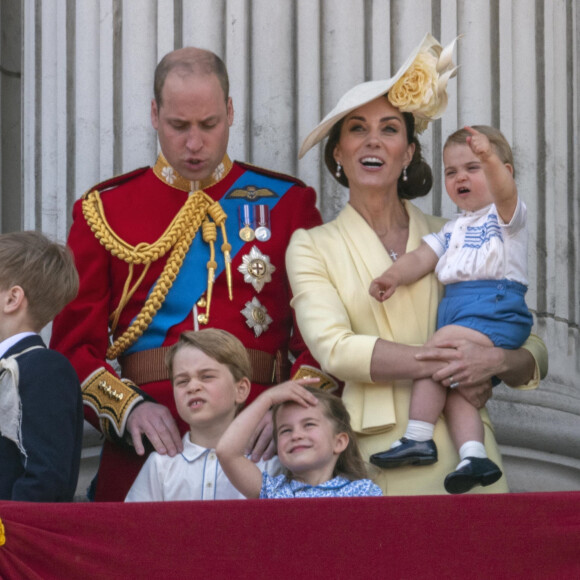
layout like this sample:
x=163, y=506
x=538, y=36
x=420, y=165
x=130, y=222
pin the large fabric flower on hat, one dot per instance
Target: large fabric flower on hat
x=422, y=90
x=418, y=87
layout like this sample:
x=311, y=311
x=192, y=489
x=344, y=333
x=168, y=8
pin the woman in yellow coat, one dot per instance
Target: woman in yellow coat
x=375, y=348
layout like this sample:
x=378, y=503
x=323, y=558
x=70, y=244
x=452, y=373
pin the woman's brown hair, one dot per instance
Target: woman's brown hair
x=419, y=175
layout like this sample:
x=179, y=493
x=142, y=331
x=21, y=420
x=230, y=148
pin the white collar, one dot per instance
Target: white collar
x=9, y=342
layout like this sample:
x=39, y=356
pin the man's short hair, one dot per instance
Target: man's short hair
x=190, y=61
x=44, y=269
x=219, y=345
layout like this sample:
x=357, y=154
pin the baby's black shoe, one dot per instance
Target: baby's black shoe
x=409, y=452
x=479, y=471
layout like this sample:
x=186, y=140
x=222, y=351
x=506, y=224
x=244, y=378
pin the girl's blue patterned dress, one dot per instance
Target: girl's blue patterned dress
x=280, y=487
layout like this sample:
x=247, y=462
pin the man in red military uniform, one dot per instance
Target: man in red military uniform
x=195, y=241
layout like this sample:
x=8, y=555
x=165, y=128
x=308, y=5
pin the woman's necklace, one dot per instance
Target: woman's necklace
x=398, y=233
x=394, y=255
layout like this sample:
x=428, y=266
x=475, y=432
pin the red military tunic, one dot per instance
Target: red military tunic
x=138, y=208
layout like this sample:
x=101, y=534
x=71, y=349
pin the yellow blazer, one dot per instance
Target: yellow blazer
x=330, y=268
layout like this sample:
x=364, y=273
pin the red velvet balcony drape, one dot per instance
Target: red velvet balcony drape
x=534, y=535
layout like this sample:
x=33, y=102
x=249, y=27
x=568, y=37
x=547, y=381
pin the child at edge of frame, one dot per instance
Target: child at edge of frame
x=41, y=416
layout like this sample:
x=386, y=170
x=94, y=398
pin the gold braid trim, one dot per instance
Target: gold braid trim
x=210, y=236
x=218, y=215
x=178, y=235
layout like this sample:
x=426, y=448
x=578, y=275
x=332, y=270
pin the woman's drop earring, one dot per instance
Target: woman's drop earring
x=338, y=170
x=405, y=178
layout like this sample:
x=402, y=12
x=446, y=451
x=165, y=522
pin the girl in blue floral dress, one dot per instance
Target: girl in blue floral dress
x=315, y=445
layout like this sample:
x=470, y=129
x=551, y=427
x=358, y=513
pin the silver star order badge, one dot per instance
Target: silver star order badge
x=257, y=317
x=257, y=269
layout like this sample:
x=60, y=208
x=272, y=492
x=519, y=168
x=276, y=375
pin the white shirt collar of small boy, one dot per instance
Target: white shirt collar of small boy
x=7, y=344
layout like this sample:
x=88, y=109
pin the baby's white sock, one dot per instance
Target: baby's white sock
x=470, y=449
x=417, y=431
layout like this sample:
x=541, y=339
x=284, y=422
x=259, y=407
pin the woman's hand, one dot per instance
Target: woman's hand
x=468, y=363
x=469, y=368
x=477, y=395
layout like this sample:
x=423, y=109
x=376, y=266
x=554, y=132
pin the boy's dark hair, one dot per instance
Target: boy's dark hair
x=218, y=344
x=350, y=463
x=44, y=269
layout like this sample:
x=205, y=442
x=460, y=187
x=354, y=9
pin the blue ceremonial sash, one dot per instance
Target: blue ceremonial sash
x=191, y=282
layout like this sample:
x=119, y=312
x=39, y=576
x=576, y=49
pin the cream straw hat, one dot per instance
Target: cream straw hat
x=418, y=87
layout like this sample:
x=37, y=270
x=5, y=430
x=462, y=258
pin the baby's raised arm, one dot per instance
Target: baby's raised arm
x=241, y=471
x=499, y=175
x=407, y=269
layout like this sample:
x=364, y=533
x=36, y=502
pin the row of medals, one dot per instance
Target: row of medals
x=254, y=222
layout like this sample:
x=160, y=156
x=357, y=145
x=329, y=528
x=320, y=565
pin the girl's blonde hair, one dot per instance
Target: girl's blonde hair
x=350, y=463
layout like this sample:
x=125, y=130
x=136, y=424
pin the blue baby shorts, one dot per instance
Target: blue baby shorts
x=496, y=308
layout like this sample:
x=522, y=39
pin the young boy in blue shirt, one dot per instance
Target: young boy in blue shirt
x=41, y=418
